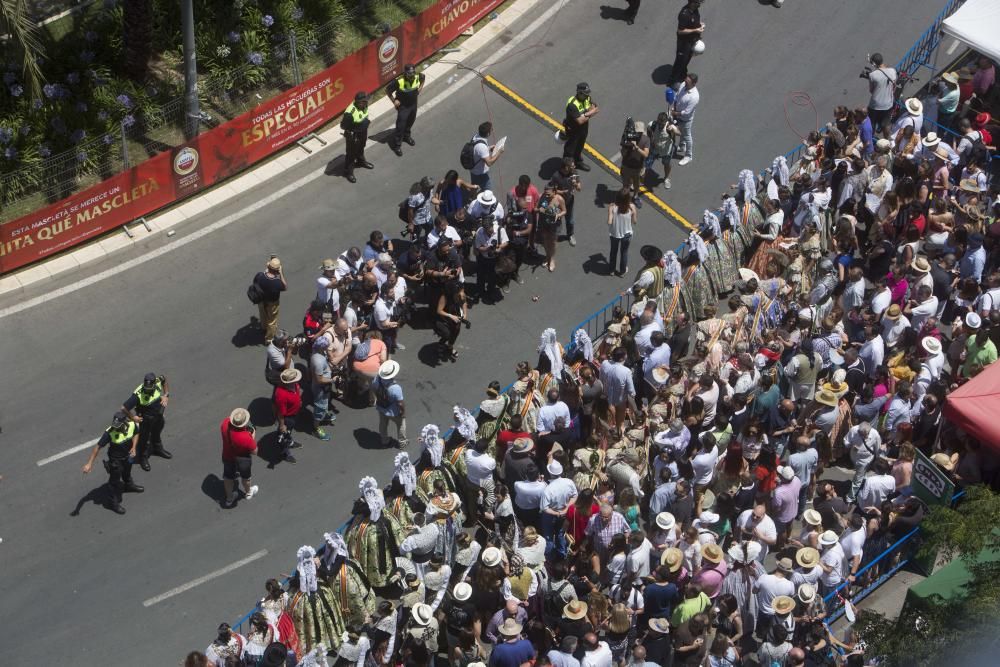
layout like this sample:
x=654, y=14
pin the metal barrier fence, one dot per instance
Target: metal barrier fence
x=899, y=554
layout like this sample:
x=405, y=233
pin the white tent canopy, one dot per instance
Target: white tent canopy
x=977, y=23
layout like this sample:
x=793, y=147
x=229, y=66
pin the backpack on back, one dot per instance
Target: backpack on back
x=254, y=292
x=467, y=158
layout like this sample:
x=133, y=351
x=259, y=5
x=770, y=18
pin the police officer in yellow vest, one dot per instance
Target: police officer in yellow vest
x=403, y=92
x=121, y=439
x=355, y=124
x=145, y=406
x=579, y=110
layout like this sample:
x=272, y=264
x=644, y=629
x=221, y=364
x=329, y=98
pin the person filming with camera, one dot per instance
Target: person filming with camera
x=490, y=241
x=635, y=149
x=882, y=86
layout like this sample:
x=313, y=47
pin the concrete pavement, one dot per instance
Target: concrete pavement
x=78, y=580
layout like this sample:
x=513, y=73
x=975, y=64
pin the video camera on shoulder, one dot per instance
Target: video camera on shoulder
x=630, y=135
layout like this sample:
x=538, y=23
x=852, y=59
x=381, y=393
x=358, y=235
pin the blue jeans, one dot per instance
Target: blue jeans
x=616, y=246
x=482, y=180
x=555, y=537
x=321, y=404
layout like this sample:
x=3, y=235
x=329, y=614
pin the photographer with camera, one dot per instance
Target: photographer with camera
x=882, y=86
x=635, y=150
x=279, y=357
x=521, y=203
x=382, y=316
x=286, y=400
x=490, y=241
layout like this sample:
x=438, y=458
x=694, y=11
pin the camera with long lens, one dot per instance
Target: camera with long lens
x=866, y=72
x=630, y=135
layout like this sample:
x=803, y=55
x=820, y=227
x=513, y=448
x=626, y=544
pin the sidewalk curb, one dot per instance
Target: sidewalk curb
x=224, y=192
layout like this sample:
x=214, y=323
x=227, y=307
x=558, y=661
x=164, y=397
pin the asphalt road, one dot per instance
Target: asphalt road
x=76, y=576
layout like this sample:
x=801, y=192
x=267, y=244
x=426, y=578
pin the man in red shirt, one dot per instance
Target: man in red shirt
x=287, y=399
x=509, y=435
x=238, y=448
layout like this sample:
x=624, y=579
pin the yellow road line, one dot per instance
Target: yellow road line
x=590, y=150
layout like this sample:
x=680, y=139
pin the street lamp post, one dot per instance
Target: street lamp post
x=192, y=113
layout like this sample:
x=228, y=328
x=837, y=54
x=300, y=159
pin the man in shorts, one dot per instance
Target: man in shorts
x=238, y=448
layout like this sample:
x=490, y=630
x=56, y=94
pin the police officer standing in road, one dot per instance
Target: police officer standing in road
x=579, y=110
x=145, y=407
x=355, y=124
x=121, y=439
x=689, y=30
x=403, y=92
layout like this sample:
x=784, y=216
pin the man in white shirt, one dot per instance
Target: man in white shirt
x=637, y=561
x=703, y=464
x=894, y=325
x=479, y=466
x=596, y=653
x=831, y=561
x=326, y=285
x=754, y=524
x=658, y=357
x=528, y=496
x=708, y=391
x=348, y=264
x=770, y=586
x=685, y=103
x=486, y=205
x=443, y=229
x=647, y=326
x=873, y=350
x=877, y=487
x=548, y=414
x=853, y=544
x=924, y=306
x=484, y=157
x=854, y=292
x=866, y=445
x=382, y=312
x=882, y=298
x=491, y=240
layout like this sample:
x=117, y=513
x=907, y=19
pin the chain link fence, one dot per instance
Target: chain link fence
x=142, y=135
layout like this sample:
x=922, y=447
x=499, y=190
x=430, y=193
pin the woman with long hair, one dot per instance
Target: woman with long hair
x=622, y=216
x=551, y=212
x=449, y=315
x=449, y=193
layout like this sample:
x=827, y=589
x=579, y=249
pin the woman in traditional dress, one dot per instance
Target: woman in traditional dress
x=494, y=416
x=445, y=508
x=526, y=398
x=400, y=500
x=768, y=232
x=430, y=467
x=463, y=434
x=550, y=360
x=734, y=232
x=721, y=264
x=373, y=535
x=696, y=291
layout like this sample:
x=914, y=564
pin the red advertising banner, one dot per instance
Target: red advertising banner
x=235, y=145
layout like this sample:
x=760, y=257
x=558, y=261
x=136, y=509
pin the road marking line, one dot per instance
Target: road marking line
x=201, y=580
x=68, y=452
x=441, y=96
x=590, y=150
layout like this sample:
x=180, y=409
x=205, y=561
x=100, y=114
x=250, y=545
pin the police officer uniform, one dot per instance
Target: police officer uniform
x=147, y=402
x=580, y=105
x=119, y=438
x=355, y=124
x=687, y=19
x=403, y=92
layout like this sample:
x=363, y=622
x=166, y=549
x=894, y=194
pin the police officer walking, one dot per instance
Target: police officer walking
x=121, y=439
x=579, y=110
x=355, y=124
x=145, y=407
x=403, y=92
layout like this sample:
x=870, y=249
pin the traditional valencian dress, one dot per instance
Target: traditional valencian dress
x=430, y=466
x=696, y=292
x=372, y=535
x=400, y=498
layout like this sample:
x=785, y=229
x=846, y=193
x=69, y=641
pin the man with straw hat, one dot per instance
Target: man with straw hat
x=238, y=448
x=807, y=560
x=769, y=588
x=389, y=403
x=713, y=570
x=513, y=651
x=831, y=562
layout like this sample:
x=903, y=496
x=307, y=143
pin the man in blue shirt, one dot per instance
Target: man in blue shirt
x=513, y=651
x=660, y=596
x=389, y=403
x=974, y=260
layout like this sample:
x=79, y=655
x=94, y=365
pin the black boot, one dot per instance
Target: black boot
x=350, y=177
x=132, y=487
x=117, y=508
x=144, y=464
x=409, y=140
x=158, y=450
x=365, y=164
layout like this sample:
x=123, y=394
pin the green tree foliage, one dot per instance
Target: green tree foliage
x=948, y=632
x=16, y=23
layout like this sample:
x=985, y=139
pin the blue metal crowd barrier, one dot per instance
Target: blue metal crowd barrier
x=597, y=322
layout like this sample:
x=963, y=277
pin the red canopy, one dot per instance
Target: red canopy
x=975, y=407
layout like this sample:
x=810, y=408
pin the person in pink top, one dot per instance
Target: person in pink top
x=713, y=571
x=984, y=77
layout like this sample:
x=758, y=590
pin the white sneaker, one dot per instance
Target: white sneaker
x=572, y=240
x=400, y=346
x=253, y=491
x=685, y=160
x=666, y=184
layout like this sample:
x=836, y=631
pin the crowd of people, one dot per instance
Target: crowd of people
x=700, y=485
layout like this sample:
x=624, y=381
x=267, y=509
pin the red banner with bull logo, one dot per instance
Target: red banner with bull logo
x=233, y=146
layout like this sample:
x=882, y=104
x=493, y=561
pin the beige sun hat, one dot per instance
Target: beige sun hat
x=673, y=558
x=239, y=417
x=783, y=605
x=574, y=610
x=807, y=557
x=812, y=517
